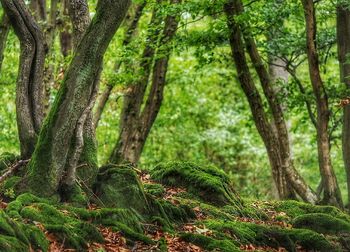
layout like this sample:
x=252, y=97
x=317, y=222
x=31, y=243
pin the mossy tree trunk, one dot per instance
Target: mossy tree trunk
x=343, y=39
x=30, y=89
x=61, y=141
x=286, y=178
x=137, y=120
x=332, y=193
x=4, y=30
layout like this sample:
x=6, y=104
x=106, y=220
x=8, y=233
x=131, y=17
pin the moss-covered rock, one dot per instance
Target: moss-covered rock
x=207, y=182
x=120, y=187
x=322, y=223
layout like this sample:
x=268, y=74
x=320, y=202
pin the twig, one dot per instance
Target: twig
x=12, y=169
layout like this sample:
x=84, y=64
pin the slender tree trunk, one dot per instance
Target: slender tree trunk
x=343, y=38
x=136, y=123
x=332, y=193
x=276, y=142
x=38, y=7
x=66, y=35
x=130, y=32
x=60, y=138
x=30, y=89
x=4, y=30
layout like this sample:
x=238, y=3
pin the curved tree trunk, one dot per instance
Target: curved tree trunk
x=332, y=193
x=30, y=89
x=343, y=39
x=58, y=140
x=276, y=141
x=4, y=30
x=136, y=122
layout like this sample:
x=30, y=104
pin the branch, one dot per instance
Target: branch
x=12, y=169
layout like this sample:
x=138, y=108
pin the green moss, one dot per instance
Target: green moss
x=179, y=214
x=295, y=208
x=88, y=172
x=156, y=190
x=209, y=183
x=322, y=223
x=130, y=234
x=209, y=243
x=43, y=213
x=115, y=216
x=74, y=195
x=11, y=244
x=121, y=188
x=37, y=238
x=8, y=187
x=162, y=245
x=261, y=235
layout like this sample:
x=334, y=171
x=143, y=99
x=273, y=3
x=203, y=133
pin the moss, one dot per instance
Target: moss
x=162, y=245
x=322, y=223
x=8, y=187
x=156, y=190
x=43, y=213
x=121, y=188
x=250, y=233
x=37, y=238
x=114, y=216
x=209, y=243
x=209, y=183
x=295, y=208
x=10, y=244
x=87, y=173
x=67, y=237
x=130, y=234
x=179, y=214
x=74, y=195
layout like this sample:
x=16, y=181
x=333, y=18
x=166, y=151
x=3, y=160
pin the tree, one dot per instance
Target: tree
x=285, y=176
x=343, y=39
x=61, y=141
x=332, y=193
x=30, y=89
x=130, y=32
x=136, y=121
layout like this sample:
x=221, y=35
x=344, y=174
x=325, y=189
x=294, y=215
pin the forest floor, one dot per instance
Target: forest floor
x=200, y=212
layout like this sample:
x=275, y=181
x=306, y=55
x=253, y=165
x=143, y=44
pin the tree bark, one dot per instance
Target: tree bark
x=276, y=142
x=30, y=88
x=57, y=139
x=4, y=30
x=332, y=193
x=136, y=123
x=130, y=32
x=343, y=39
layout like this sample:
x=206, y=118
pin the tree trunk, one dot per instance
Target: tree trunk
x=130, y=32
x=4, y=30
x=38, y=7
x=30, y=89
x=136, y=124
x=332, y=193
x=343, y=39
x=66, y=35
x=276, y=142
x=60, y=138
